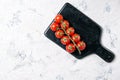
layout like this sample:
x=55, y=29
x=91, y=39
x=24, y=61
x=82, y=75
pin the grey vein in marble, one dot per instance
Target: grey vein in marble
x=107, y=8
x=82, y=5
x=15, y=20
x=112, y=36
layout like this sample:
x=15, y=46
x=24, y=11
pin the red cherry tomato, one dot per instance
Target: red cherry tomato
x=59, y=18
x=59, y=34
x=65, y=40
x=70, y=31
x=65, y=24
x=54, y=26
x=81, y=45
x=70, y=48
x=76, y=37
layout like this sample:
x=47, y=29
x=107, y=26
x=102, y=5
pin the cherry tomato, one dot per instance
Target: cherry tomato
x=65, y=24
x=65, y=40
x=54, y=26
x=70, y=31
x=70, y=48
x=76, y=37
x=81, y=45
x=59, y=33
x=59, y=18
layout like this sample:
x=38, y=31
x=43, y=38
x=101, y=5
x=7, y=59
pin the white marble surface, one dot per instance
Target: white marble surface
x=26, y=54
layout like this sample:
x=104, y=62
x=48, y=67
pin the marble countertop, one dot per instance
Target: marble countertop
x=26, y=54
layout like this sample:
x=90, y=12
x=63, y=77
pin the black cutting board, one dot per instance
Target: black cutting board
x=89, y=31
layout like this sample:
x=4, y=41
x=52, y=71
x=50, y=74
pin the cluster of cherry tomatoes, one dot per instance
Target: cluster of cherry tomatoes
x=67, y=34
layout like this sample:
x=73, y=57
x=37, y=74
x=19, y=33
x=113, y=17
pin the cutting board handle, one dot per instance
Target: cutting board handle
x=105, y=54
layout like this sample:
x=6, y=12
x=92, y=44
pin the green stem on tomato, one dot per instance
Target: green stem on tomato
x=72, y=41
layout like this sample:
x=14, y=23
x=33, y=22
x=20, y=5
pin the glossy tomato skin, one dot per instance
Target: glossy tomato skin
x=59, y=34
x=54, y=26
x=70, y=48
x=81, y=45
x=70, y=31
x=76, y=37
x=65, y=40
x=58, y=18
x=65, y=24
